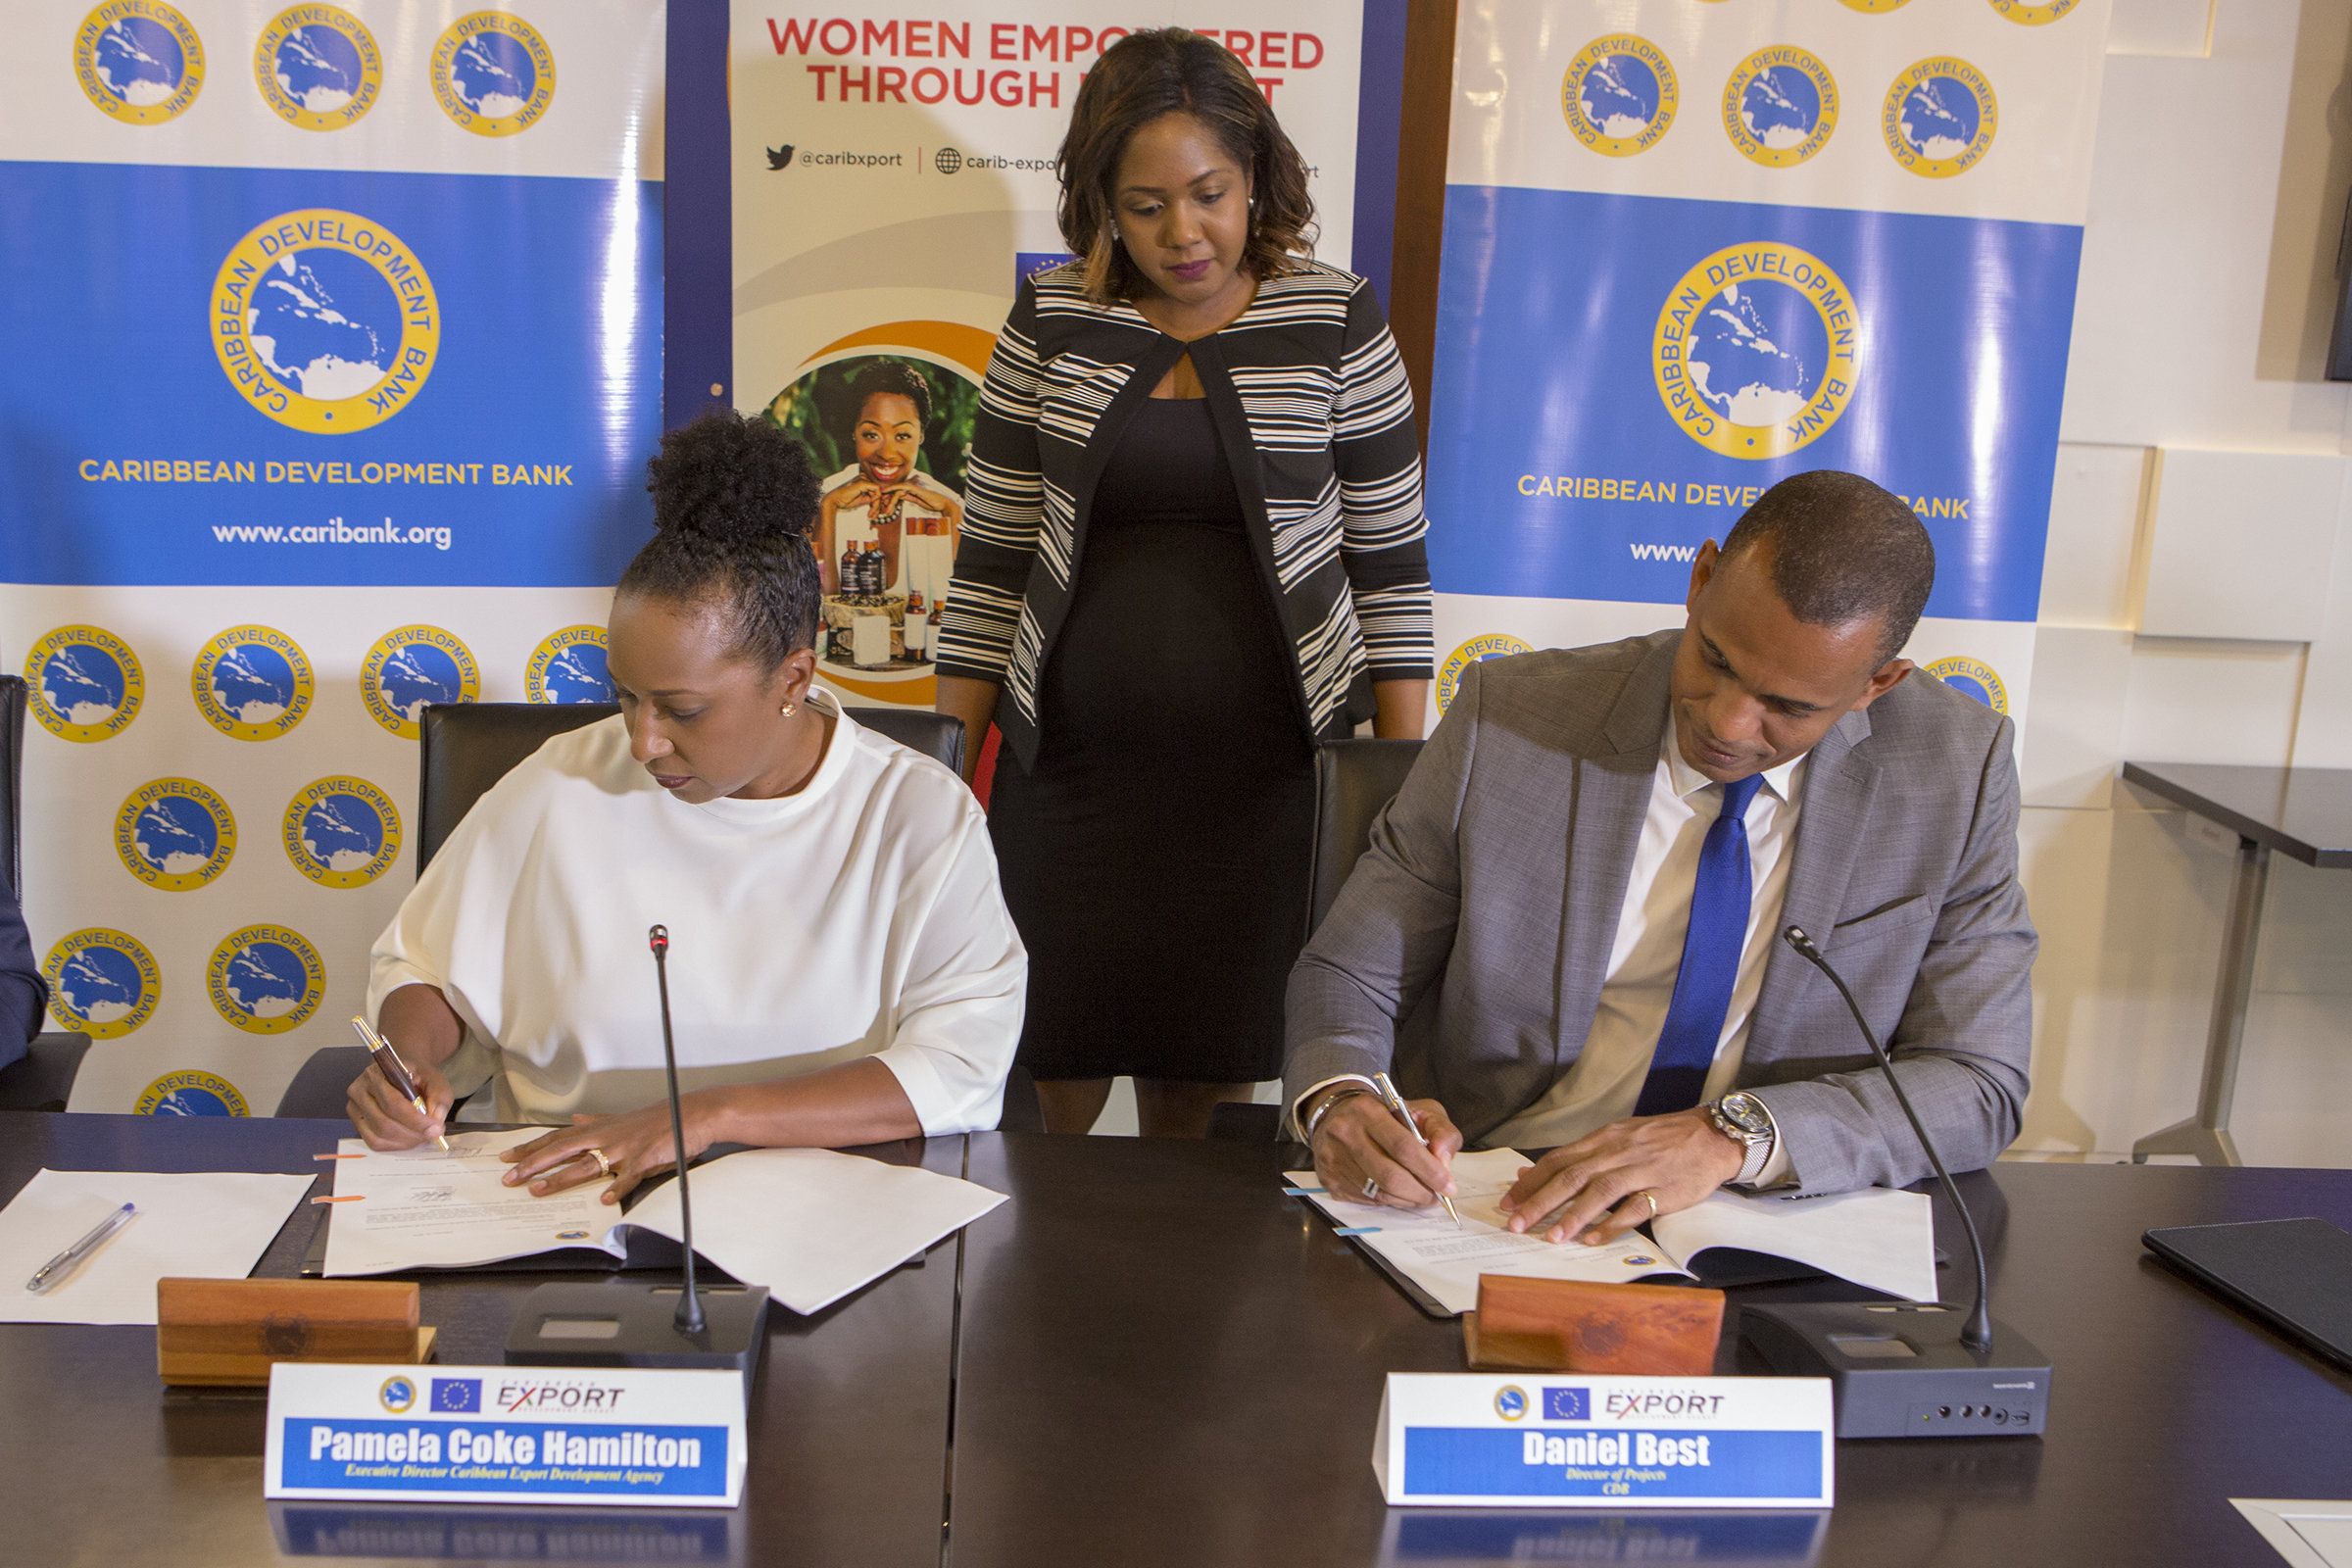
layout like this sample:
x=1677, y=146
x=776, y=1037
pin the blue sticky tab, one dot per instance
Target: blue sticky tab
x=1355, y=1230
x=1302, y=1192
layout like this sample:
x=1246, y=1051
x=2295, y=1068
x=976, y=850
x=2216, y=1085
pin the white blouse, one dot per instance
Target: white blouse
x=859, y=917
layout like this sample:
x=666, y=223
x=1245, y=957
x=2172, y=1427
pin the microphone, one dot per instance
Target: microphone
x=1898, y=1370
x=690, y=1305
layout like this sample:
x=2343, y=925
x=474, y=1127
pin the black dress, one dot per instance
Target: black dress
x=1155, y=860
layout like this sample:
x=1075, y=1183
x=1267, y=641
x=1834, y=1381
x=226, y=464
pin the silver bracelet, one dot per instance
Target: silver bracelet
x=1346, y=1091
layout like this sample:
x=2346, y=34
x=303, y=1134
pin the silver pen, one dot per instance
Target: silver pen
x=1390, y=1097
x=54, y=1271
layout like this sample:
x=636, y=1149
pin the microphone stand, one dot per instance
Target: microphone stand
x=690, y=1305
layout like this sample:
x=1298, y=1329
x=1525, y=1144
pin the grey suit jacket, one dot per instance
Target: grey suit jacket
x=1493, y=883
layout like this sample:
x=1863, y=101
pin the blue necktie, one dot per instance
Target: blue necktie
x=1720, y=901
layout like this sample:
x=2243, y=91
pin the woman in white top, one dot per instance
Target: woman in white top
x=842, y=969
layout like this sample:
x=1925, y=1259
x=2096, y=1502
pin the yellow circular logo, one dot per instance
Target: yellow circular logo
x=139, y=61
x=1779, y=106
x=1973, y=677
x=318, y=67
x=326, y=321
x=569, y=667
x=1755, y=349
x=1477, y=651
x=101, y=982
x=1620, y=95
x=1510, y=1403
x=85, y=684
x=191, y=1094
x=397, y=1393
x=341, y=832
x=1876, y=6
x=409, y=667
x=2033, y=16
x=252, y=683
x=1940, y=117
x=174, y=834
x=493, y=73
x=266, y=979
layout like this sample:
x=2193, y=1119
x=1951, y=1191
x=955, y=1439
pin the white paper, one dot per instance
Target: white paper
x=813, y=1225
x=1879, y=1238
x=2307, y=1533
x=212, y=1225
x=422, y=1208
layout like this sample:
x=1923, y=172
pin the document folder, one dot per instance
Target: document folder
x=2294, y=1274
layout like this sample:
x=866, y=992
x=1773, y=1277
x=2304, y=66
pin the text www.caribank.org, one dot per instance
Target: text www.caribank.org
x=334, y=531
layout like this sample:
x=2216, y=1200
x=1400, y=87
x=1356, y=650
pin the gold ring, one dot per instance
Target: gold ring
x=604, y=1166
x=1651, y=1199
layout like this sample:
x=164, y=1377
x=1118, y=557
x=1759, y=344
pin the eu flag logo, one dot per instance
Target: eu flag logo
x=456, y=1395
x=1559, y=1404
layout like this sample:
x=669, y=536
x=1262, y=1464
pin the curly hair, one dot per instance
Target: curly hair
x=1171, y=71
x=893, y=379
x=734, y=498
x=1840, y=550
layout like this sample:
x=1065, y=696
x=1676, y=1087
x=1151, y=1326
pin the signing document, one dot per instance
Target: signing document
x=210, y=1225
x=1875, y=1237
x=808, y=1223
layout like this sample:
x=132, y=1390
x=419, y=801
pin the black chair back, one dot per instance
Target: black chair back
x=42, y=1079
x=938, y=736
x=319, y=1087
x=1353, y=780
x=14, y=695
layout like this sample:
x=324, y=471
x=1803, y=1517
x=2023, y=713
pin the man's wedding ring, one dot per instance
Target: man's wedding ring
x=1651, y=1199
x=1371, y=1188
x=604, y=1166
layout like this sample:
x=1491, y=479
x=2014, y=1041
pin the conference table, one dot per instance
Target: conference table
x=1152, y=1356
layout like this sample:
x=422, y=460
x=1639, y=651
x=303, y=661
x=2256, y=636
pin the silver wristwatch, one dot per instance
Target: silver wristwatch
x=1743, y=1118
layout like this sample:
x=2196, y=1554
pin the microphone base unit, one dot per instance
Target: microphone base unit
x=615, y=1324
x=1897, y=1369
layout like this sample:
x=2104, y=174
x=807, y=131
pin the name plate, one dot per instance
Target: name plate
x=498, y=1433
x=1574, y=1440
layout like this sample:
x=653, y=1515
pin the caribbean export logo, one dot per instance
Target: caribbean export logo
x=1753, y=353
x=318, y=67
x=101, y=982
x=326, y=321
x=266, y=979
x=174, y=834
x=191, y=1094
x=493, y=73
x=252, y=683
x=1940, y=117
x=139, y=61
x=85, y=683
x=1477, y=651
x=569, y=667
x=1973, y=678
x=1779, y=107
x=341, y=832
x=410, y=668
x=1619, y=95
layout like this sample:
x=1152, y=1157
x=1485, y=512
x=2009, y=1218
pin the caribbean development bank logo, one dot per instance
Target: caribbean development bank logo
x=252, y=683
x=266, y=979
x=1619, y=95
x=409, y=667
x=1779, y=107
x=318, y=67
x=341, y=832
x=1477, y=651
x=2034, y=15
x=1973, y=677
x=569, y=667
x=174, y=834
x=326, y=321
x=85, y=684
x=101, y=982
x=191, y=1094
x=493, y=73
x=1755, y=349
x=139, y=61
x=1940, y=117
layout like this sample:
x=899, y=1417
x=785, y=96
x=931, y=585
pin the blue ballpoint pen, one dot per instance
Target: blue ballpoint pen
x=54, y=1271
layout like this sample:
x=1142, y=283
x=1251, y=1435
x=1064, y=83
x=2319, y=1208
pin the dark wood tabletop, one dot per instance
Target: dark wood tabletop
x=1162, y=1360
x=849, y=1424
x=2302, y=812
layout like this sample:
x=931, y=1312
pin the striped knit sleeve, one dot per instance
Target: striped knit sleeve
x=1378, y=454
x=1003, y=490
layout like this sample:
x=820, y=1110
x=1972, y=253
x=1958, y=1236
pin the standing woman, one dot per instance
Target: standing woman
x=1192, y=548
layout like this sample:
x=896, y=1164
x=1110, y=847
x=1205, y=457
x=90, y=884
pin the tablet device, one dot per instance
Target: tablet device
x=2294, y=1274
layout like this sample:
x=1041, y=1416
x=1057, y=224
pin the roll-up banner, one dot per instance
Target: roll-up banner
x=335, y=363
x=1692, y=249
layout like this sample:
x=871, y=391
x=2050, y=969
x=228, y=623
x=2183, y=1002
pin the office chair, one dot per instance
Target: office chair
x=44, y=1079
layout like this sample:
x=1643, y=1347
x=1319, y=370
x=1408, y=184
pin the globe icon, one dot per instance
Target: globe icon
x=1940, y=117
x=342, y=833
x=1779, y=107
x=947, y=159
x=177, y=835
x=100, y=985
x=1619, y=96
x=1968, y=687
x=325, y=324
x=493, y=76
x=82, y=684
x=418, y=673
x=140, y=62
x=253, y=683
x=319, y=68
x=1755, y=353
x=577, y=674
x=192, y=1103
x=266, y=980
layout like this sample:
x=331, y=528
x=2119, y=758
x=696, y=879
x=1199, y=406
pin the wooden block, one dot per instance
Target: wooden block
x=228, y=1331
x=1586, y=1326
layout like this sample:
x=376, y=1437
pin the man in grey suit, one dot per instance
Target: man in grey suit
x=1581, y=885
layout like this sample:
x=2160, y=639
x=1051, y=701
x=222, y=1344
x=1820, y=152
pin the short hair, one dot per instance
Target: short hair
x=1841, y=550
x=1170, y=70
x=734, y=498
x=891, y=378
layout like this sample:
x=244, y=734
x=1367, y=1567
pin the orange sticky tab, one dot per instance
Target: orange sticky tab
x=348, y=1198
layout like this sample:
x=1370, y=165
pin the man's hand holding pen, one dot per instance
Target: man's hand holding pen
x=1364, y=1155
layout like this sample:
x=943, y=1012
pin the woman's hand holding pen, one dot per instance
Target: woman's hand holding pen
x=386, y=1120
x=634, y=1145
x=1363, y=1154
